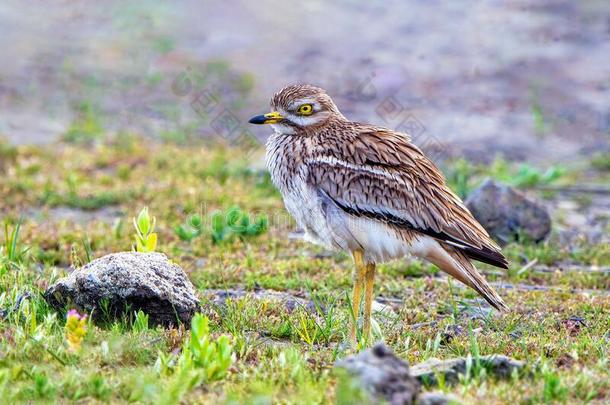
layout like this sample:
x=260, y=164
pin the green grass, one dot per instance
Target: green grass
x=601, y=161
x=265, y=352
x=464, y=176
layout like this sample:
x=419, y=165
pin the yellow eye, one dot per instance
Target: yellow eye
x=305, y=109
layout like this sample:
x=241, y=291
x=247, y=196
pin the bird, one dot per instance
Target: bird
x=371, y=192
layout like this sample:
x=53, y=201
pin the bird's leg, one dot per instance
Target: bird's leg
x=369, y=279
x=359, y=275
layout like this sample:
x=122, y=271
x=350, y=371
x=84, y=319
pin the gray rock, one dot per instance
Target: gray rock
x=290, y=301
x=129, y=281
x=383, y=375
x=428, y=371
x=435, y=398
x=507, y=213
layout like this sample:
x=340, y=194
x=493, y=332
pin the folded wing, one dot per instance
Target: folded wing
x=381, y=175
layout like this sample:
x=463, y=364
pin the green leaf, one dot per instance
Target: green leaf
x=143, y=222
x=151, y=243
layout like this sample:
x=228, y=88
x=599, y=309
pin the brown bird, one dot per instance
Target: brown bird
x=370, y=191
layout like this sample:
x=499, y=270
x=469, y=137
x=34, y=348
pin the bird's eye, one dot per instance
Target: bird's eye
x=305, y=109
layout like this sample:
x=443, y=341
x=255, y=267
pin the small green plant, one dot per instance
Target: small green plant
x=191, y=229
x=538, y=117
x=8, y=155
x=203, y=360
x=87, y=248
x=459, y=177
x=528, y=176
x=86, y=128
x=75, y=260
x=601, y=161
x=349, y=389
x=42, y=388
x=553, y=390
x=140, y=322
x=235, y=222
x=463, y=176
x=12, y=255
x=319, y=327
x=213, y=358
x=98, y=387
x=524, y=175
x=146, y=238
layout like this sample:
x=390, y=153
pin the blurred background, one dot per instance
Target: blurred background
x=529, y=80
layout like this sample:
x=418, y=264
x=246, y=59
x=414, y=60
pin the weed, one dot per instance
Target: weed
x=202, y=360
x=43, y=388
x=191, y=229
x=464, y=176
x=235, y=222
x=460, y=177
x=87, y=248
x=539, y=121
x=601, y=161
x=528, y=176
x=224, y=226
x=213, y=358
x=145, y=237
x=98, y=387
x=86, y=128
x=8, y=155
x=553, y=390
x=349, y=390
x=140, y=323
x=12, y=255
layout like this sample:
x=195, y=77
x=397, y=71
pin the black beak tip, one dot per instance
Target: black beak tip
x=259, y=119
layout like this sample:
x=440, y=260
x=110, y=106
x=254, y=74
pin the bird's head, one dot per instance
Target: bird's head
x=297, y=108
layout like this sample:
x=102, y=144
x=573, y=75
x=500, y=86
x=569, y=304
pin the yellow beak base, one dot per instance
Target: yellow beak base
x=270, y=118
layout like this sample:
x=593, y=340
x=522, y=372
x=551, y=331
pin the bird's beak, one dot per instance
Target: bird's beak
x=270, y=118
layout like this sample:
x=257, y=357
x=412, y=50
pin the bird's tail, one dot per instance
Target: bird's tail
x=455, y=263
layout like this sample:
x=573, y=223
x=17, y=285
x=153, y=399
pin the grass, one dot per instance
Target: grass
x=259, y=350
x=601, y=161
x=464, y=176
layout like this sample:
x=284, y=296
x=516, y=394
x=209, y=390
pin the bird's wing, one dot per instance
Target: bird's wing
x=380, y=174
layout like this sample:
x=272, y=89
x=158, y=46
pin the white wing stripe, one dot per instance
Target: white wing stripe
x=333, y=161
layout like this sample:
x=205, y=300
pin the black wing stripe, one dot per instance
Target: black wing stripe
x=482, y=254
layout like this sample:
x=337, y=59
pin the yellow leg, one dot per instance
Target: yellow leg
x=359, y=275
x=369, y=279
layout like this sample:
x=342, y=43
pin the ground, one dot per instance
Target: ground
x=486, y=77
x=78, y=198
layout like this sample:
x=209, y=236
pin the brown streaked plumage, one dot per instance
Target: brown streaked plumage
x=370, y=191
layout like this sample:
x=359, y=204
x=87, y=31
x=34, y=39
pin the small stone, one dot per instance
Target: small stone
x=434, y=398
x=508, y=214
x=384, y=309
x=451, y=332
x=574, y=324
x=382, y=375
x=290, y=301
x=498, y=365
x=125, y=282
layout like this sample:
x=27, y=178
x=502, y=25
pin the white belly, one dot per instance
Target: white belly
x=305, y=206
x=381, y=243
x=335, y=229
